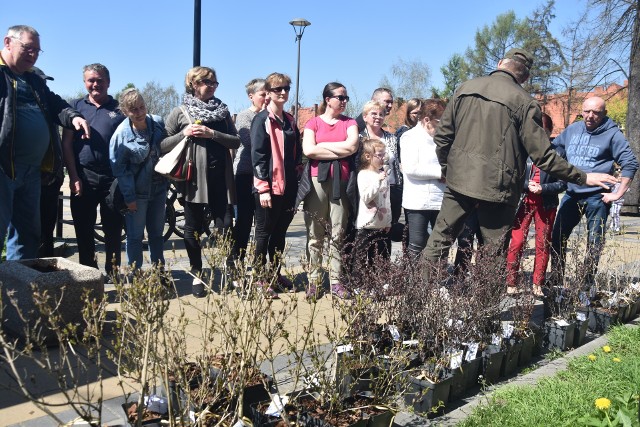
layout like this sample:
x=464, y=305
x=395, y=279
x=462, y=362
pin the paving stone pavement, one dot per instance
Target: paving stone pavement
x=17, y=413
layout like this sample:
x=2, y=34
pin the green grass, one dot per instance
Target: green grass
x=567, y=399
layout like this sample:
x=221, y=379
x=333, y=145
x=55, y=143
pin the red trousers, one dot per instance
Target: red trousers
x=531, y=208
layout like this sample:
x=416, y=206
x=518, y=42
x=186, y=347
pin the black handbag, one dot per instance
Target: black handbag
x=115, y=199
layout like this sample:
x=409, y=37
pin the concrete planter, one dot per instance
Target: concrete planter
x=66, y=283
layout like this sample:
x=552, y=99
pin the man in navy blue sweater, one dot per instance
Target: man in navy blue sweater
x=593, y=145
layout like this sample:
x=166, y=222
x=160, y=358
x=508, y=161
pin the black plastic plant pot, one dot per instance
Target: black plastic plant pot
x=558, y=336
x=427, y=397
x=625, y=310
x=384, y=419
x=600, y=320
x=491, y=366
x=581, y=332
x=255, y=393
x=636, y=306
x=510, y=361
x=538, y=341
x=457, y=388
x=468, y=379
x=526, y=351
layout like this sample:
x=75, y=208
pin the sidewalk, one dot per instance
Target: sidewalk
x=14, y=411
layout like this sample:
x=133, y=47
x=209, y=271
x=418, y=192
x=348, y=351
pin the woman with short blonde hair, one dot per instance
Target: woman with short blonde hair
x=206, y=119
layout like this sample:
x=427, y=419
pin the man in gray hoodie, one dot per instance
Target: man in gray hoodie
x=592, y=145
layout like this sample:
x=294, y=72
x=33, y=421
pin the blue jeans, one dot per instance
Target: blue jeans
x=572, y=207
x=20, y=208
x=150, y=214
x=418, y=222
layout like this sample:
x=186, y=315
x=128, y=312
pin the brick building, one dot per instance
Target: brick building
x=565, y=110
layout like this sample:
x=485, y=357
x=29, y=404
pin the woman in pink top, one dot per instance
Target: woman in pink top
x=330, y=141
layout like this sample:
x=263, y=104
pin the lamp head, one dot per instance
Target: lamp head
x=299, y=25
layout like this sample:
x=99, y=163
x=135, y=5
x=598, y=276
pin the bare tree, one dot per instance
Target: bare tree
x=409, y=79
x=160, y=100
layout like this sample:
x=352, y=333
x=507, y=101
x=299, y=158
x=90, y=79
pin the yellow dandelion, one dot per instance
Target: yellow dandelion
x=603, y=403
x=606, y=349
x=616, y=359
x=592, y=357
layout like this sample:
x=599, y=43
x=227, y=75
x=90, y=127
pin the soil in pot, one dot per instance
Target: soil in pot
x=359, y=412
x=148, y=418
x=260, y=418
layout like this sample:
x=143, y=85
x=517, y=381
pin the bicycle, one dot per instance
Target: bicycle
x=174, y=218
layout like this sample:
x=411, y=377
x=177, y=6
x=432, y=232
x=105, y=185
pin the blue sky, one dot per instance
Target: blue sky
x=351, y=41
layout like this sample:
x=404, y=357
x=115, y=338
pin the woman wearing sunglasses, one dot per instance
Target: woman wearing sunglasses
x=275, y=155
x=213, y=134
x=330, y=141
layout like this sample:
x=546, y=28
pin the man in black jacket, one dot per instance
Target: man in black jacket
x=29, y=112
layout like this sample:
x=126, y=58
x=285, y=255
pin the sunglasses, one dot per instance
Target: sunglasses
x=209, y=82
x=280, y=89
x=341, y=98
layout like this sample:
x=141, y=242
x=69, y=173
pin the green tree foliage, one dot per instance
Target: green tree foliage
x=545, y=48
x=409, y=79
x=455, y=72
x=492, y=42
x=617, y=111
x=531, y=33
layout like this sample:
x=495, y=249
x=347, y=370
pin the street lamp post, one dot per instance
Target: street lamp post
x=197, y=25
x=298, y=24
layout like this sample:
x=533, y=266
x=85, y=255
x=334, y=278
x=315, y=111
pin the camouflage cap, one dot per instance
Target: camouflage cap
x=520, y=55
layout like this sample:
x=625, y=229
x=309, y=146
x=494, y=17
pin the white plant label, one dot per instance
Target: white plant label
x=507, y=330
x=472, y=351
x=496, y=340
x=456, y=359
x=395, y=333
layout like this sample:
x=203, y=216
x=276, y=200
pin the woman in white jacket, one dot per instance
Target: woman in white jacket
x=423, y=181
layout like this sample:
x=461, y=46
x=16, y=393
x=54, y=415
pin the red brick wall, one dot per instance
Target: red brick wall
x=563, y=114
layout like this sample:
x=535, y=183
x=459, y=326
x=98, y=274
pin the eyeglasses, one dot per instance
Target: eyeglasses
x=28, y=48
x=341, y=98
x=209, y=82
x=280, y=89
x=379, y=155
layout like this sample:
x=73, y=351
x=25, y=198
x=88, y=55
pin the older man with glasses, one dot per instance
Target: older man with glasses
x=29, y=112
